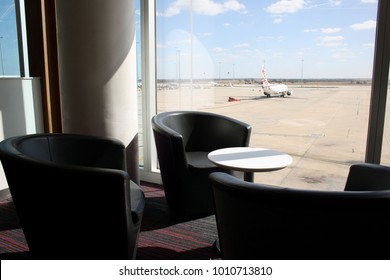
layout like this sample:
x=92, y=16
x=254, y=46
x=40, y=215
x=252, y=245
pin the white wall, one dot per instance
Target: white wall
x=20, y=110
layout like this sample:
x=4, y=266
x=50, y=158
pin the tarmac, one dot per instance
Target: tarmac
x=323, y=127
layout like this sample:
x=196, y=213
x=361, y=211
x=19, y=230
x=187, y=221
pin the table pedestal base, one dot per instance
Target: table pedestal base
x=249, y=177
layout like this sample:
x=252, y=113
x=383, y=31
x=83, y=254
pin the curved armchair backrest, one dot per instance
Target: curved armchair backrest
x=183, y=140
x=73, y=150
x=72, y=195
x=368, y=176
x=198, y=129
x=257, y=221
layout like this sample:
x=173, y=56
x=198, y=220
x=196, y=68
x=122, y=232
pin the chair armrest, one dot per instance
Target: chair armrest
x=170, y=149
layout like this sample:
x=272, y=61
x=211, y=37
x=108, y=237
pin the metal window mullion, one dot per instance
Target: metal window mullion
x=148, y=45
x=379, y=84
x=22, y=38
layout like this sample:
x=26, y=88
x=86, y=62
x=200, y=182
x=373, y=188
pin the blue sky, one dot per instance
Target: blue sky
x=295, y=38
x=9, y=44
x=232, y=38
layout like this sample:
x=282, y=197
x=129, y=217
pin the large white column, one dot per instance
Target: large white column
x=97, y=61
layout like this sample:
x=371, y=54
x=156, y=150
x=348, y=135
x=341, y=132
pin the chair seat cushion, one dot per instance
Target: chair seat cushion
x=199, y=160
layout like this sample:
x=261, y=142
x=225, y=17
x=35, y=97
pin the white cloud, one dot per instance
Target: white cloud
x=219, y=50
x=160, y=46
x=310, y=30
x=331, y=41
x=286, y=7
x=265, y=38
x=243, y=45
x=203, y=7
x=330, y=30
x=369, y=24
x=343, y=54
x=206, y=34
x=369, y=1
x=370, y=45
x=278, y=20
x=270, y=38
x=232, y=5
x=323, y=30
x=332, y=38
x=335, y=2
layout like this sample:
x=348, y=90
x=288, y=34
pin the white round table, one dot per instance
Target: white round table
x=250, y=160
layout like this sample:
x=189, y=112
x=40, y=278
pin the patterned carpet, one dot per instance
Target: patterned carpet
x=163, y=235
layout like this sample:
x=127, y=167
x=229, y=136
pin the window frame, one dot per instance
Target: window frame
x=149, y=172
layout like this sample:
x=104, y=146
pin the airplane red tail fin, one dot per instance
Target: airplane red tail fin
x=265, y=80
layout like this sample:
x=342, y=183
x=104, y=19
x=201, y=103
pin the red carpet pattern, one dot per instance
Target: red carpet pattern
x=162, y=236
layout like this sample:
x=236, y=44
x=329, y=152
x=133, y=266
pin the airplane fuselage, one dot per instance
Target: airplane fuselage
x=276, y=90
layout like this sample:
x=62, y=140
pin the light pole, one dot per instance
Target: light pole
x=178, y=78
x=302, y=72
x=1, y=55
x=219, y=70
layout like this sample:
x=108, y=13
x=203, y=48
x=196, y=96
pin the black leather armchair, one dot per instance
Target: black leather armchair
x=183, y=141
x=73, y=196
x=368, y=177
x=257, y=221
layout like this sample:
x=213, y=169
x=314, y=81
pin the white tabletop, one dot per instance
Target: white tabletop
x=250, y=159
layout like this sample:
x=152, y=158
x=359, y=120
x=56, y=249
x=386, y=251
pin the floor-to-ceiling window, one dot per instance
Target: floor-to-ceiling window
x=212, y=52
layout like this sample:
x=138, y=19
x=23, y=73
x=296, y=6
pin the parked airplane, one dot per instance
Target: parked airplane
x=274, y=89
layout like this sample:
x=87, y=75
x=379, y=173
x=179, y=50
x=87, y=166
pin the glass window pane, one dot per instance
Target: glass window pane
x=9, y=52
x=210, y=56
